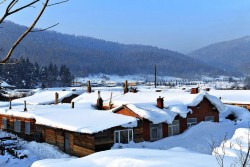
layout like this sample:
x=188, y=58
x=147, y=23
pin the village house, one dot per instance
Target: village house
x=165, y=114
x=95, y=121
x=162, y=113
x=79, y=131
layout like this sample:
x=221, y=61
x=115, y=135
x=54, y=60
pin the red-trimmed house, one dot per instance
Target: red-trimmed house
x=171, y=116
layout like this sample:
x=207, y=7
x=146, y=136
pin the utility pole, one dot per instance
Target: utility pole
x=155, y=75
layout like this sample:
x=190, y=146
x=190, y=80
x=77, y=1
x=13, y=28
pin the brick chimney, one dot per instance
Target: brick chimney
x=126, y=87
x=194, y=90
x=56, y=98
x=99, y=103
x=160, y=102
x=89, y=87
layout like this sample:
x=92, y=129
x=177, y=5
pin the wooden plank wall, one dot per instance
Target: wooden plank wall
x=80, y=144
x=10, y=126
x=83, y=144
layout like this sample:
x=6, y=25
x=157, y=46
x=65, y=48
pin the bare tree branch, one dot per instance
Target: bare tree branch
x=2, y=1
x=25, y=33
x=9, y=12
x=11, y=5
x=58, y=3
x=45, y=28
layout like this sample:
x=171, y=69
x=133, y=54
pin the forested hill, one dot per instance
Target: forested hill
x=233, y=55
x=84, y=55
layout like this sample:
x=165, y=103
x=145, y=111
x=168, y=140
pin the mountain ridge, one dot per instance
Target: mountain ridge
x=232, y=55
x=87, y=55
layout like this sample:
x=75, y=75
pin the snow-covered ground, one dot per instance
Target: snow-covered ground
x=35, y=151
x=190, y=149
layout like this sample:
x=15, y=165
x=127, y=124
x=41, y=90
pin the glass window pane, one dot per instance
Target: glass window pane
x=124, y=136
x=209, y=118
x=4, y=123
x=155, y=131
x=117, y=137
x=174, y=128
x=191, y=122
x=131, y=137
x=27, y=128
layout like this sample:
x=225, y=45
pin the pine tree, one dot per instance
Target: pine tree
x=50, y=80
x=43, y=76
x=65, y=76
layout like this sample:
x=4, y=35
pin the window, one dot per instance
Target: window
x=174, y=128
x=4, y=123
x=124, y=136
x=209, y=118
x=27, y=128
x=17, y=126
x=155, y=132
x=191, y=122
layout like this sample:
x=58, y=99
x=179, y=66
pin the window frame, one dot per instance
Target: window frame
x=209, y=120
x=27, y=128
x=4, y=123
x=130, y=135
x=171, y=127
x=158, y=128
x=17, y=126
x=191, y=123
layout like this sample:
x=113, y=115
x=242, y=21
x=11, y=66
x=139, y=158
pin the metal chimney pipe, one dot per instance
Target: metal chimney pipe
x=25, y=108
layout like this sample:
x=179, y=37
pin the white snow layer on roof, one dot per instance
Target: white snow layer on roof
x=5, y=84
x=83, y=118
x=153, y=113
x=175, y=103
x=232, y=96
x=240, y=112
x=45, y=97
x=92, y=97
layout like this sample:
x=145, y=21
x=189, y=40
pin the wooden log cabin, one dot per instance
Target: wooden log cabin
x=73, y=131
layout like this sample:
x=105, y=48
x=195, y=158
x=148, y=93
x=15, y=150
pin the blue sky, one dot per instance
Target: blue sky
x=179, y=25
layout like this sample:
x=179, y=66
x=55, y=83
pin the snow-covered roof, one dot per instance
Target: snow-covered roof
x=92, y=97
x=46, y=96
x=232, y=96
x=6, y=85
x=83, y=118
x=175, y=103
